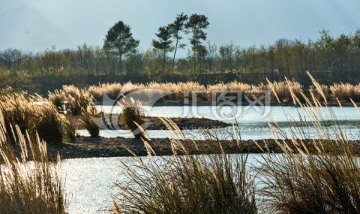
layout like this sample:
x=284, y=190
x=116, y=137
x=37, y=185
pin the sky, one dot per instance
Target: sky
x=36, y=25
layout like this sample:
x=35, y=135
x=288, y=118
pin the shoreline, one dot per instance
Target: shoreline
x=177, y=103
x=87, y=147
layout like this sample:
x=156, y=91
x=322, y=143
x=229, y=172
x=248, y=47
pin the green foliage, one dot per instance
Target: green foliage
x=196, y=25
x=328, y=58
x=119, y=40
x=176, y=28
x=163, y=43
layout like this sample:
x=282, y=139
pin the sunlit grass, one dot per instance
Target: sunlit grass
x=36, y=115
x=76, y=99
x=28, y=187
x=321, y=179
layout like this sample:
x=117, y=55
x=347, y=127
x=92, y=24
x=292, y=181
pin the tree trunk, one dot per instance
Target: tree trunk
x=120, y=63
x=173, y=61
x=164, y=61
x=194, y=60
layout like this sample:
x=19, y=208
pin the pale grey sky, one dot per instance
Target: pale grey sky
x=33, y=25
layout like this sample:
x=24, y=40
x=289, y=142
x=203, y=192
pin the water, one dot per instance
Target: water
x=242, y=114
x=252, y=122
x=90, y=182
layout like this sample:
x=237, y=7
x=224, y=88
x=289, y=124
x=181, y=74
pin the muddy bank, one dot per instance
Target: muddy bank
x=110, y=120
x=87, y=147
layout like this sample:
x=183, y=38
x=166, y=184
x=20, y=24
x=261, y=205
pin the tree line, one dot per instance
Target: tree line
x=330, y=59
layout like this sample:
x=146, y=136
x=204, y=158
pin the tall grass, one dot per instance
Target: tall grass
x=28, y=187
x=322, y=179
x=36, y=115
x=216, y=183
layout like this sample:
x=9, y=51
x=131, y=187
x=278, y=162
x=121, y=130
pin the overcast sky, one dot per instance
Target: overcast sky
x=33, y=25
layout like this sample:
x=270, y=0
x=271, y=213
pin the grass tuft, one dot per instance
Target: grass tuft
x=132, y=117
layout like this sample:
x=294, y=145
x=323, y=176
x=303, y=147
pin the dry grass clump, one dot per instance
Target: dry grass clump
x=132, y=117
x=87, y=118
x=325, y=180
x=36, y=114
x=129, y=87
x=76, y=99
x=283, y=91
x=56, y=98
x=111, y=89
x=232, y=86
x=28, y=187
x=345, y=92
x=216, y=183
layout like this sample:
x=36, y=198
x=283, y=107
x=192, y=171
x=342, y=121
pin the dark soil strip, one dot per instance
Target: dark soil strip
x=86, y=147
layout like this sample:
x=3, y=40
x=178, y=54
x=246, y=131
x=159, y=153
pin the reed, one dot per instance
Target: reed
x=28, y=187
x=175, y=91
x=322, y=179
x=112, y=90
x=282, y=91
